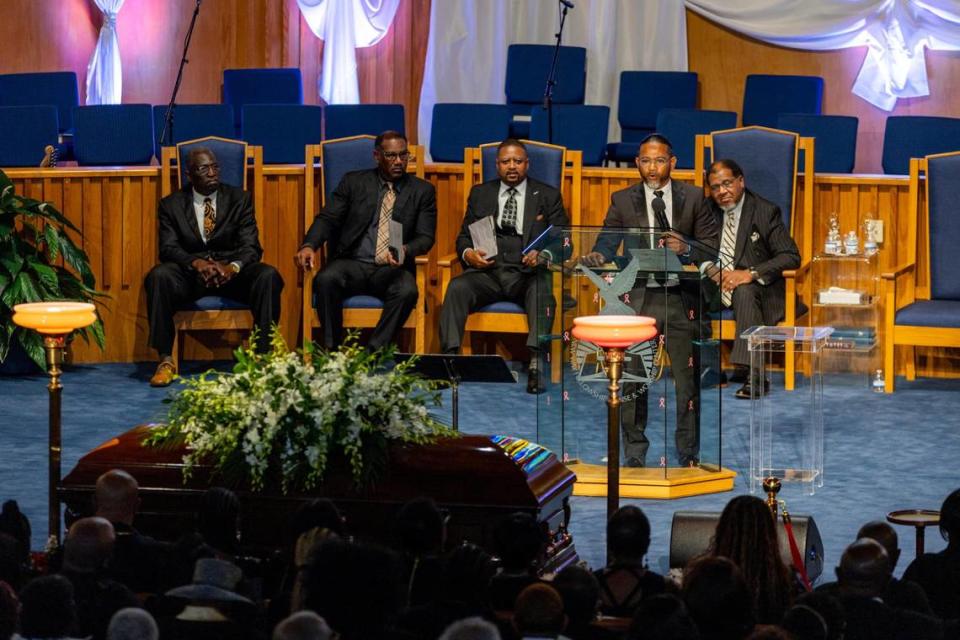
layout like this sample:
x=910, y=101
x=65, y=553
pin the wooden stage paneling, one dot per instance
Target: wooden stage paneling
x=116, y=210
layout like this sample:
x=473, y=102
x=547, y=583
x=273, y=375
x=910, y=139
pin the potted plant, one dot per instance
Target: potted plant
x=38, y=263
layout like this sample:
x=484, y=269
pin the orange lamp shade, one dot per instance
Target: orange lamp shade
x=614, y=331
x=55, y=318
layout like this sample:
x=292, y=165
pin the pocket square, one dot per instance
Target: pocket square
x=754, y=236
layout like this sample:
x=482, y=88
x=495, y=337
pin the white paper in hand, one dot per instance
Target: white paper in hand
x=484, y=236
x=395, y=243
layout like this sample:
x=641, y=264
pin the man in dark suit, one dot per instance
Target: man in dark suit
x=355, y=224
x=523, y=209
x=755, y=250
x=209, y=245
x=685, y=225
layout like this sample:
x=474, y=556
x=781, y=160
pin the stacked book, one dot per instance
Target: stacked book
x=851, y=338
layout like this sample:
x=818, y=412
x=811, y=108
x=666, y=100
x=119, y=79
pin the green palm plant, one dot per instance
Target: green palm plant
x=39, y=263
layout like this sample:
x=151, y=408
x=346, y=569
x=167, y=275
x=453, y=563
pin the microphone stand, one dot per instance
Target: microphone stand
x=552, y=76
x=167, y=131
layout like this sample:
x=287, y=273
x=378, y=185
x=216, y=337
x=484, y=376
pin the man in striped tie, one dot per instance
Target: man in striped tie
x=355, y=224
x=755, y=250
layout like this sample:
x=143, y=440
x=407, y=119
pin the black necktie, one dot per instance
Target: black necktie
x=660, y=210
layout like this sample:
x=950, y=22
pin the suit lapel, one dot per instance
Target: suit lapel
x=403, y=195
x=530, y=210
x=679, y=197
x=190, y=213
x=744, y=228
x=639, y=207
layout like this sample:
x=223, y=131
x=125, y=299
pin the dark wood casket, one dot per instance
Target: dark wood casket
x=476, y=479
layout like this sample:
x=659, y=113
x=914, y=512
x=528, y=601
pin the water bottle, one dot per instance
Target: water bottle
x=877, y=383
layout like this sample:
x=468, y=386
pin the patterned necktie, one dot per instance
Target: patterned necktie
x=383, y=226
x=728, y=245
x=508, y=221
x=209, y=219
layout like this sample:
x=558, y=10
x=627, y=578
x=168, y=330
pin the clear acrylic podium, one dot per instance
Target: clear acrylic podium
x=572, y=413
x=786, y=428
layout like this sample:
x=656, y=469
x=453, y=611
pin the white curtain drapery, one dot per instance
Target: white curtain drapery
x=895, y=32
x=344, y=25
x=467, y=49
x=104, y=73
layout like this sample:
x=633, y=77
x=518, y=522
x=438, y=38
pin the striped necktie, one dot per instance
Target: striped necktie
x=383, y=226
x=728, y=245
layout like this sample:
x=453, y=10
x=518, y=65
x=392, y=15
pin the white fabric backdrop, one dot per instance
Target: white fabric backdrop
x=344, y=25
x=104, y=75
x=467, y=49
x=895, y=32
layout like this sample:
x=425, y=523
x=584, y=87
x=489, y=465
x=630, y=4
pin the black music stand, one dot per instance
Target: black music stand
x=456, y=369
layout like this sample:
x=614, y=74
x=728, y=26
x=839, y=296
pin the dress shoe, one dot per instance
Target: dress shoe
x=740, y=375
x=533, y=382
x=164, y=374
x=746, y=391
x=634, y=462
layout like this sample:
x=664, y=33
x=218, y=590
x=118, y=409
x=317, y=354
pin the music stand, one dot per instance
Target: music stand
x=456, y=369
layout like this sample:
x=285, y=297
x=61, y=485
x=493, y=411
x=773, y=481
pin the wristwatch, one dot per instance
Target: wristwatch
x=233, y=266
x=754, y=276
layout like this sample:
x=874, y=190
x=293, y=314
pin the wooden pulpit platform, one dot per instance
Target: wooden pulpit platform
x=475, y=479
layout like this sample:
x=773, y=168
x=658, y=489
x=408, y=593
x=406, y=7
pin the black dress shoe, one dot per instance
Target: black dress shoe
x=533, y=382
x=740, y=375
x=634, y=462
x=747, y=391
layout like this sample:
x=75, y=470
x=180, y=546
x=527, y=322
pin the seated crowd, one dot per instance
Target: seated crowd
x=111, y=581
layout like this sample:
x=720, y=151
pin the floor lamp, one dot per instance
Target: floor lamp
x=54, y=321
x=614, y=334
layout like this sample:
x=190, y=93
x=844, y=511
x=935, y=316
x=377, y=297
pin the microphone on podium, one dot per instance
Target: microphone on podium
x=567, y=4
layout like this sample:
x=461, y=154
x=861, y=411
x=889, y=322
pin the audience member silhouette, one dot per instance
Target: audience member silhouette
x=718, y=599
x=16, y=525
x=471, y=629
x=303, y=625
x=830, y=610
x=625, y=582
x=420, y=529
x=12, y=569
x=132, y=624
x=48, y=609
x=746, y=534
x=662, y=617
x=581, y=599
x=9, y=611
x=938, y=574
x=518, y=540
x=538, y=612
x=210, y=607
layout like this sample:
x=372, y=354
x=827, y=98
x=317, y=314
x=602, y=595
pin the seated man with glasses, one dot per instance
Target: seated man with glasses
x=209, y=246
x=356, y=225
x=755, y=250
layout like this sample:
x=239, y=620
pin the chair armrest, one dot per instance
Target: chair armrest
x=422, y=260
x=448, y=260
x=799, y=272
x=898, y=271
x=450, y=267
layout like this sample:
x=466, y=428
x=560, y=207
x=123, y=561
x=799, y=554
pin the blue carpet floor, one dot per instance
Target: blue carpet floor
x=882, y=452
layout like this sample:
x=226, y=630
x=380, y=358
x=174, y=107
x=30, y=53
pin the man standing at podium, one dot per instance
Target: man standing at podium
x=522, y=208
x=686, y=226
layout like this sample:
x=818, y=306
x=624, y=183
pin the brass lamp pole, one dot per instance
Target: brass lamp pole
x=54, y=321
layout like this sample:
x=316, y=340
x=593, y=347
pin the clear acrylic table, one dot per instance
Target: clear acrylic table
x=786, y=427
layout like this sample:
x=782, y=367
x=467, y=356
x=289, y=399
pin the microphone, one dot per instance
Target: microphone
x=567, y=4
x=660, y=214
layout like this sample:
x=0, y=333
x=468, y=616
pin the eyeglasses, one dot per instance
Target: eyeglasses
x=391, y=156
x=726, y=185
x=660, y=162
x=205, y=169
x=516, y=161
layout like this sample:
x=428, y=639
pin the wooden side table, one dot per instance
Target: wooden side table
x=919, y=519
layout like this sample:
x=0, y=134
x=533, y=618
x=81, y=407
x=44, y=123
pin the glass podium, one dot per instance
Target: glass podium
x=670, y=411
x=786, y=428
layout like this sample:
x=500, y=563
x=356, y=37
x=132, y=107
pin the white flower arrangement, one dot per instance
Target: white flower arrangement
x=283, y=415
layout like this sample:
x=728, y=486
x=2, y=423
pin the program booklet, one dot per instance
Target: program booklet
x=484, y=236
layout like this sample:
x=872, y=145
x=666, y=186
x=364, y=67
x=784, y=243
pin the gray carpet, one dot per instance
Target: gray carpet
x=882, y=452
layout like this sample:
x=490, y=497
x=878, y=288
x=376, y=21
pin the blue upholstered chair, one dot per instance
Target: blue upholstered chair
x=58, y=88
x=548, y=163
x=682, y=126
x=113, y=134
x=25, y=133
x=460, y=126
x=527, y=68
x=283, y=130
x=192, y=121
x=337, y=158
x=348, y=120
x=260, y=86
x=575, y=126
x=765, y=97
x=236, y=159
x=922, y=294
x=835, y=137
x=643, y=94
x=906, y=137
x=769, y=159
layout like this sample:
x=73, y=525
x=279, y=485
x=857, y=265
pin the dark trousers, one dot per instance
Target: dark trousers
x=345, y=277
x=673, y=319
x=476, y=288
x=169, y=287
x=747, y=305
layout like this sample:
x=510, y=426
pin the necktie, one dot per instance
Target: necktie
x=209, y=219
x=728, y=245
x=660, y=210
x=383, y=226
x=508, y=221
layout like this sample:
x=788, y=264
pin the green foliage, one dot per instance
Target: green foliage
x=280, y=417
x=33, y=240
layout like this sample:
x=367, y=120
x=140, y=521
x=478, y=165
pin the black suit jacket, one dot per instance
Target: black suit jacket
x=234, y=236
x=349, y=213
x=542, y=207
x=764, y=243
